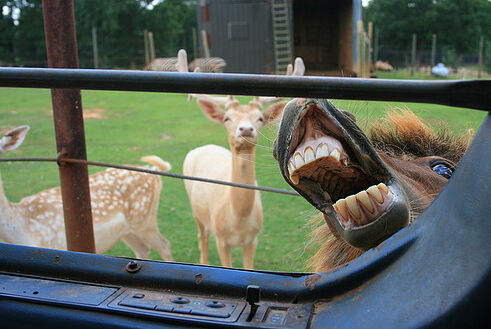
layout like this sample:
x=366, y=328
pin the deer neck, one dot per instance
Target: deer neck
x=4, y=203
x=243, y=172
x=11, y=230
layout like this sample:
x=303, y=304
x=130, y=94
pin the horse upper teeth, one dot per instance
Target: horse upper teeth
x=291, y=167
x=322, y=151
x=295, y=179
x=309, y=155
x=335, y=154
x=298, y=160
x=374, y=192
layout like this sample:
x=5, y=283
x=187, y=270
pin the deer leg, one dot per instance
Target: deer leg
x=203, y=242
x=141, y=249
x=224, y=253
x=248, y=254
x=159, y=243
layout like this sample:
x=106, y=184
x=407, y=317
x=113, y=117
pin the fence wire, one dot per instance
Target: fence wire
x=60, y=160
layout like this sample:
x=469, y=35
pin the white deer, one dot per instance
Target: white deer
x=234, y=215
x=124, y=207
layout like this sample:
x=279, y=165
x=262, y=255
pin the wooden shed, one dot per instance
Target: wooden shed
x=260, y=36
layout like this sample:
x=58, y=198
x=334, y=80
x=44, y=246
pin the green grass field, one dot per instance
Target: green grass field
x=134, y=124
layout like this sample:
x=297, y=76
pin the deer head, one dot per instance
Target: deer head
x=241, y=121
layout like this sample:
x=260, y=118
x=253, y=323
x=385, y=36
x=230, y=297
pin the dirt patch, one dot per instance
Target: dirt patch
x=96, y=113
x=165, y=137
x=470, y=74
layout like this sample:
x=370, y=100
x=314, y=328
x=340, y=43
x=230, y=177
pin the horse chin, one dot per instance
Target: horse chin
x=325, y=157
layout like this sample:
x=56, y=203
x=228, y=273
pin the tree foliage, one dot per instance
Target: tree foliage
x=120, y=26
x=458, y=24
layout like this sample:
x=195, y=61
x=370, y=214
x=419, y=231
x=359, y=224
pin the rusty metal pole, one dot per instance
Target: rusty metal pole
x=61, y=48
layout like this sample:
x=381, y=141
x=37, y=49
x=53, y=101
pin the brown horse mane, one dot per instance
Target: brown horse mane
x=401, y=134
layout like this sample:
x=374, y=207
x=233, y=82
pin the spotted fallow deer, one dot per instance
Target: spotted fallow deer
x=367, y=188
x=124, y=207
x=234, y=215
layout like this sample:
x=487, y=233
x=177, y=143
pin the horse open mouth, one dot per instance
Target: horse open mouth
x=330, y=161
x=320, y=155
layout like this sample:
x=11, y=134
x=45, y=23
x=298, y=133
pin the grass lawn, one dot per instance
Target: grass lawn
x=128, y=125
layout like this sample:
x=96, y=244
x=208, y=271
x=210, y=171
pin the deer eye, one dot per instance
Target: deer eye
x=226, y=119
x=442, y=169
x=260, y=119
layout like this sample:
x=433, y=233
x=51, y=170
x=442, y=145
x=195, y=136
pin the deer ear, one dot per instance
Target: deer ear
x=12, y=139
x=211, y=110
x=273, y=112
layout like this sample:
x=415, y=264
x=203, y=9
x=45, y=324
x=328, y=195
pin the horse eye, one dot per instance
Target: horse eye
x=226, y=119
x=261, y=119
x=442, y=169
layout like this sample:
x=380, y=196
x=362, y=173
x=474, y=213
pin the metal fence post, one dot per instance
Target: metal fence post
x=61, y=48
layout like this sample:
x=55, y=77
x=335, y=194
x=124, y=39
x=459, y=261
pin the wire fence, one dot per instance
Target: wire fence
x=60, y=160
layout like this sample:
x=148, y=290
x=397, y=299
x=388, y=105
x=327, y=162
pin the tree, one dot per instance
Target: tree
x=30, y=46
x=120, y=25
x=119, y=30
x=7, y=35
x=459, y=24
x=397, y=20
x=171, y=22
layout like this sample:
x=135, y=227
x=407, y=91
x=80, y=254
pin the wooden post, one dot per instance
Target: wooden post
x=413, y=54
x=195, y=43
x=61, y=50
x=433, y=50
x=481, y=56
x=366, y=56
x=370, y=49
x=360, y=49
x=151, y=46
x=94, y=47
x=145, y=42
x=375, y=52
x=206, y=47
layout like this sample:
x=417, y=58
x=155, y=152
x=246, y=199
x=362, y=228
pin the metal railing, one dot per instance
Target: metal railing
x=472, y=94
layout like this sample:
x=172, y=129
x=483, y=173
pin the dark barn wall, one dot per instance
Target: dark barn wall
x=346, y=43
x=323, y=35
x=315, y=31
x=240, y=32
